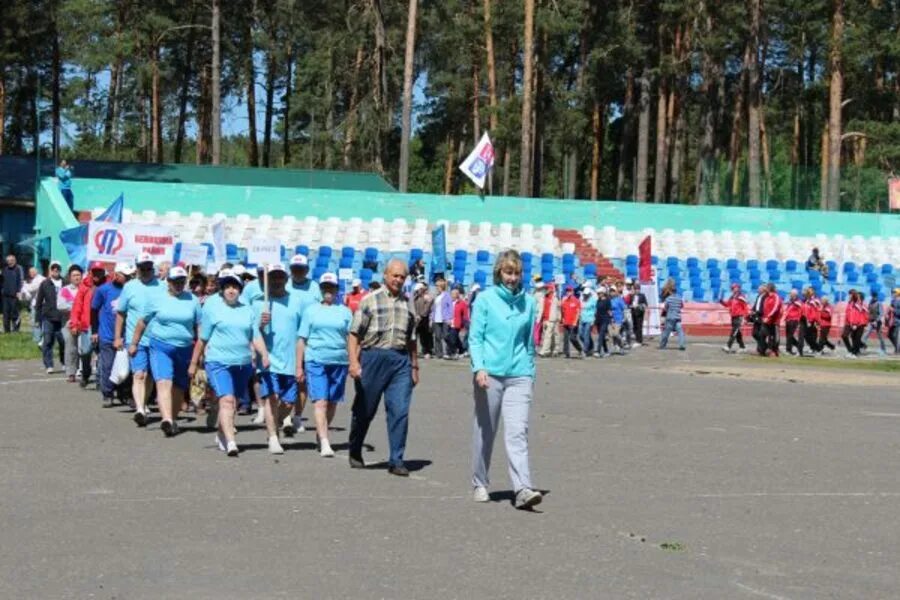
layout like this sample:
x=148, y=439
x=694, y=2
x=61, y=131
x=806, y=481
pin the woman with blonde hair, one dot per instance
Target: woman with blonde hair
x=501, y=346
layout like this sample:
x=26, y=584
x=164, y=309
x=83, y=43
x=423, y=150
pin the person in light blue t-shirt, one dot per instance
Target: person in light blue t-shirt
x=136, y=294
x=227, y=337
x=64, y=180
x=586, y=319
x=306, y=292
x=174, y=317
x=322, y=359
x=278, y=321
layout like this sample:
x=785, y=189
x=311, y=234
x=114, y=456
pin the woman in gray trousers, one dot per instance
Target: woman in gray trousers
x=501, y=347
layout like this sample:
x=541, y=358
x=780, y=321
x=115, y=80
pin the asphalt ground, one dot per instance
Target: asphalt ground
x=668, y=475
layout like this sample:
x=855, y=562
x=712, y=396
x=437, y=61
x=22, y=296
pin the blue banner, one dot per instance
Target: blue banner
x=75, y=239
x=438, y=250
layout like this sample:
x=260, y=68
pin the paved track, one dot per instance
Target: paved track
x=665, y=479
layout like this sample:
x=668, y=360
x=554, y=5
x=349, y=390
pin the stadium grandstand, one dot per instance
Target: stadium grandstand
x=349, y=221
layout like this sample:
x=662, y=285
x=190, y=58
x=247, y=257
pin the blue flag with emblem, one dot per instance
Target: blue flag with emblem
x=75, y=239
x=438, y=249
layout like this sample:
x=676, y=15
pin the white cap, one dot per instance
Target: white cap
x=603, y=289
x=229, y=275
x=238, y=270
x=328, y=278
x=55, y=263
x=144, y=257
x=539, y=285
x=177, y=273
x=475, y=287
x=356, y=283
x=277, y=268
x=587, y=285
x=418, y=286
x=124, y=268
x=298, y=260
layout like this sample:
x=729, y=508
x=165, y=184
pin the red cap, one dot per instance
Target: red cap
x=97, y=265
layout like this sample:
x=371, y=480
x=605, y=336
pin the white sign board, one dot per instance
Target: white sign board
x=116, y=242
x=262, y=251
x=345, y=274
x=193, y=254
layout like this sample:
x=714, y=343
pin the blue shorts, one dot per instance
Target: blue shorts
x=229, y=380
x=284, y=386
x=140, y=362
x=170, y=363
x=326, y=382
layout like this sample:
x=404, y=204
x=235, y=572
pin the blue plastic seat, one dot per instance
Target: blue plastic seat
x=887, y=269
x=416, y=254
x=231, y=252
x=325, y=251
x=732, y=263
x=482, y=256
x=693, y=261
x=365, y=275
x=348, y=251
x=457, y=254
x=753, y=265
x=546, y=258
x=791, y=266
x=346, y=262
x=318, y=272
x=302, y=249
x=654, y=260
x=590, y=270
x=772, y=264
x=852, y=276
x=527, y=258
x=848, y=267
x=323, y=262
x=868, y=268
x=631, y=259
x=480, y=278
x=712, y=263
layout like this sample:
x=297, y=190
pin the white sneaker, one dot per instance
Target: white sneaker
x=298, y=425
x=526, y=498
x=220, y=442
x=232, y=449
x=275, y=445
x=49, y=370
x=325, y=449
x=726, y=349
x=481, y=494
x=260, y=417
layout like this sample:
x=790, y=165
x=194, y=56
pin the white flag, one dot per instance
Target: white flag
x=479, y=162
x=218, y=236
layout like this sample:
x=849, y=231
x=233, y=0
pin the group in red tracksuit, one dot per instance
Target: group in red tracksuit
x=809, y=321
x=773, y=307
x=793, y=311
x=738, y=309
x=80, y=318
x=856, y=318
x=824, y=320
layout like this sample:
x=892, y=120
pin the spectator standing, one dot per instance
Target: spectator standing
x=29, y=294
x=13, y=281
x=65, y=300
x=793, y=310
x=64, y=180
x=756, y=316
x=51, y=318
x=352, y=299
x=550, y=317
x=570, y=308
x=422, y=301
x=671, y=309
x=459, y=323
x=441, y=314
x=738, y=308
x=80, y=321
x=602, y=320
x=638, y=308
x=586, y=319
x=773, y=308
x=383, y=362
x=875, y=322
x=503, y=348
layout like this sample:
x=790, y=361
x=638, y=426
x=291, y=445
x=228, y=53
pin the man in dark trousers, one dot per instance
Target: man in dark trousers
x=792, y=313
x=637, y=303
x=13, y=280
x=773, y=307
x=51, y=318
x=756, y=314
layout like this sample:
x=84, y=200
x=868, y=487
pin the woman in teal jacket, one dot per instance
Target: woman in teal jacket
x=501, y=347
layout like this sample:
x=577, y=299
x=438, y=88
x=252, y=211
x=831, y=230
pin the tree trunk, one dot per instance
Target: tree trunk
x=56, y=108
x=583, y=49
x=203, y=119
x=491, y=77
x=662, y=155
x=111, y=102
x=476, y=101
x=186, y=76
x=215, y=88
x=823, y=176
x=353, y=109
x=795, y=155
x=527, y=82
x=598, y=122
x=250, y=74
x=286, y=113
x=329, y=115
x=736, y=127
x=2, y=108
x=678, y=147
x=406, y=118
x=625, y=143
x=142, y=116
x=642, y=177
x=835, y=99
x=448, y=165
x=380, y=85
x=753, y=107
x=538, y=117
x=155, y=108
x=271, y=66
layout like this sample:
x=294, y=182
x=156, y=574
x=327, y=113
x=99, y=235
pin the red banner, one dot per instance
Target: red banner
x=894, y=193
x=644, y=265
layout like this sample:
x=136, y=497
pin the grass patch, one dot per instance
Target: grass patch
x=18, y=346
x=672, y=546
x=879, y=366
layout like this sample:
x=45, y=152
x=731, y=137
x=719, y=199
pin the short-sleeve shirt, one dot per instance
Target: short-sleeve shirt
x=252, y=292
x=384, y=321
x=280, y=335
x=173, y=318
x=105, y=301
x=325, y=329
x=228, y=332
x=65, y=178
x=307, y=293
x=133, y=302
x=673, y=305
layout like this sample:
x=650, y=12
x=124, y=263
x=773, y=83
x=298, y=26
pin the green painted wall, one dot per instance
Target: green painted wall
x=276, y=201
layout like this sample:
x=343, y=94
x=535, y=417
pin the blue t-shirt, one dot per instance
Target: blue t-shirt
x=280, y=335
x=133, y=302
x=173, y=318
x=65, y=178
x=618, y=310
x=588, y=309
x=325, y=329
x=228, y=332
x=308, y=293
x=252, y=292
x=105, y=301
